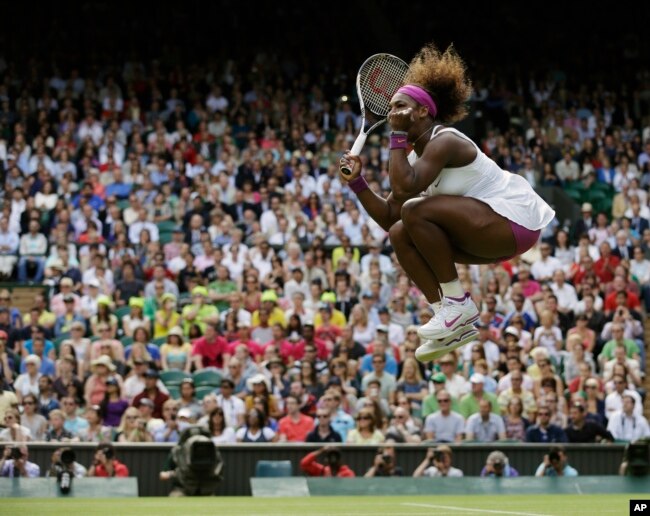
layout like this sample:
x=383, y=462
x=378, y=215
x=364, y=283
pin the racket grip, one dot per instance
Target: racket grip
x=356, y=150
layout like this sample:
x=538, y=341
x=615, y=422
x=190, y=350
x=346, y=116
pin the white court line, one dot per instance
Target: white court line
x=452, y=508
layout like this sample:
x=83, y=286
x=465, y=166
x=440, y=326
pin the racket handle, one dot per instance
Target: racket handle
x=356, y=150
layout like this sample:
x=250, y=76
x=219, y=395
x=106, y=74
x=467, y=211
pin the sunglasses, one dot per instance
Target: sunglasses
x=29, y=403
x=444, y=400
x=364, y=417
x=544, y=413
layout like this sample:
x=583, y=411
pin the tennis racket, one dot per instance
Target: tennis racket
x=379, y=77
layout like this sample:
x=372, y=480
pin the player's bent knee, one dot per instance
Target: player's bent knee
x=398, y=234
x=410, y=209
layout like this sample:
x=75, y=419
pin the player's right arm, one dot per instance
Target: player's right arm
x=385, y=212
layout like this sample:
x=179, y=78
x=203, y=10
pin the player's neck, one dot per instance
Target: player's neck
x=420, y=140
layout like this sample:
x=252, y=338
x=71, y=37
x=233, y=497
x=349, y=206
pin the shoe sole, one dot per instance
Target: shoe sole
x=427, y=355
x=469, y=322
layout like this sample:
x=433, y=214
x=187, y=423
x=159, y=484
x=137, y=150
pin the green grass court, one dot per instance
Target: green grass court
x=509, y=505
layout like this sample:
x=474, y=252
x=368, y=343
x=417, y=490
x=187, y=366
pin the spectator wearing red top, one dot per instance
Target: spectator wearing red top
x=606, y=264
x=621, y=297
x=244, y=334
x=295, y=426
x=332, y=466
x=208, y=351
x=152, y=392
x=289, y=351
x=106, y=465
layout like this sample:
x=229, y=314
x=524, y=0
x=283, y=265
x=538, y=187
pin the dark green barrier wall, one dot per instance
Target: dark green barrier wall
x=146, y=461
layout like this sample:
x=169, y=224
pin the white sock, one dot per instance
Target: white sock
x=452, y=289
x=436, y=306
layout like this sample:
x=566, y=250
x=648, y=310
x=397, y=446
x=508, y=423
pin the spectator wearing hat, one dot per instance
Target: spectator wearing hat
x=165, y=315
x=259, y=387
x=95, y=388
x=27, y=382
x=58, y=301
x=113, y=405
x=264, y=331
x=335, y=316
x=469, y=403
x=199, y=311
x=64, y=322
x=277, y=370
x=88, y=302
x=104, y=317
x=135, y=318
x=209, y=350
x=188, y=399
x=497, y=465
x=269, y=301
x=153, y=392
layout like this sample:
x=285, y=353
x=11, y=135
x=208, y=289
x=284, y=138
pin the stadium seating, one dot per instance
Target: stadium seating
x=172, y=377
x=207, y=378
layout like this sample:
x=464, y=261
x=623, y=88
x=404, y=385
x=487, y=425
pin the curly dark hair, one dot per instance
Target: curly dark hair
x=444, y=76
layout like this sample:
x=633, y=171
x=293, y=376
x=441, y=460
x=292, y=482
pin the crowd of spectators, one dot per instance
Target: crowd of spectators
x=192, y=220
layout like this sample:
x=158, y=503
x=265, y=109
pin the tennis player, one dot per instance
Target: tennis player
x=449, y=202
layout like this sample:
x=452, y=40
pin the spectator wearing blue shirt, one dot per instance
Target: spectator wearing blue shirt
x=38, y=348
x=544, y=431
x=379, y=346
x=556, y=464
x=93, y=200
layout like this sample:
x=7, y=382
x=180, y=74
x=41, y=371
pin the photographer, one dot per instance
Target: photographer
x=105, y=464
x=14, y=464
x=331, y=467
x=497, y=465
x=64, y=459
x=437, y=463
x=555, y=465
x=384, y=464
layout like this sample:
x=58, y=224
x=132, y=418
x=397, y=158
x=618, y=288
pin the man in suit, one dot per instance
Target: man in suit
x=237, y=209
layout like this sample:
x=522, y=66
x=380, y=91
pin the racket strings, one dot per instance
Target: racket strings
x=379, y=79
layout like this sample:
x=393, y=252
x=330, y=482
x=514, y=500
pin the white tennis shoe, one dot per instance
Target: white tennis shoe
x=431, y=349
x=454, y=317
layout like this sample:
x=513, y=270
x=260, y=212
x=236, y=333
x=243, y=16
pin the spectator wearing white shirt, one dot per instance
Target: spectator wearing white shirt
x=625, y=425
x=444, y=425
x=614, y=400
x=374, y=253
x=567, y=298
x=544, y=268
x=9, y=242
x=456, y=384
x=33, y=247
x=142, y=223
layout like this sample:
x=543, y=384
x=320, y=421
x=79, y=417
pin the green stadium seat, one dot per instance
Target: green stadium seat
x=126, y=341
x=121, y=312
x=172, y=377
x=207, y=378
x=159, y=341
x=57, y=342
x=273, y=468
x=166, y=226
x=203, y=391
x=174, y=391
x=164, y=237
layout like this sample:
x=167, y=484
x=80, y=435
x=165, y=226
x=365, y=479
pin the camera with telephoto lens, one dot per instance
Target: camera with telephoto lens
x=16, y=454
x=554, y=456
x=438, y=456
x=63, y=469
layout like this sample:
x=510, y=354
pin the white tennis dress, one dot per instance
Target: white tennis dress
x=508, y=194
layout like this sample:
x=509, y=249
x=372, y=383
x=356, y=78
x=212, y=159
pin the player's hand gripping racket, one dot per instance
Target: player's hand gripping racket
x=379, y=77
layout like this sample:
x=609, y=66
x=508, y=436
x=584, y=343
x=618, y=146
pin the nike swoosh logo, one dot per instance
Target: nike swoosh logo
x=402, y=140
x=436, y=184
x=449, y=324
